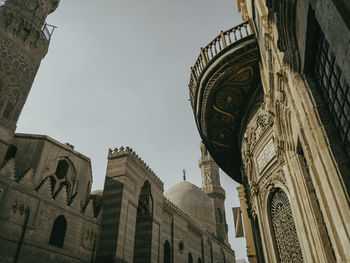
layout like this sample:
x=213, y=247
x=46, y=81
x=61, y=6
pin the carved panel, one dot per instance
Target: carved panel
x=285, y=234
x=266, y=155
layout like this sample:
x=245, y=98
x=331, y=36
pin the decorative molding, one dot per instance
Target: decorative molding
x=263, y=123
x=284, y=12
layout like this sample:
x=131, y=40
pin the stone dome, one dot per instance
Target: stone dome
x=192, y=200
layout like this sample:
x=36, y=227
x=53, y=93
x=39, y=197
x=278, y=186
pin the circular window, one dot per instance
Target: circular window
x=181, y=246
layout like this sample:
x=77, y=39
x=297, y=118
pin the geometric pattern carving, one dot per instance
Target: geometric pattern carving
x=265, y=156
x=284, y=229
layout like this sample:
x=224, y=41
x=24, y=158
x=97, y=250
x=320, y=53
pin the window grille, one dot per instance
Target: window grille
x=286, y=239
x=334, y=90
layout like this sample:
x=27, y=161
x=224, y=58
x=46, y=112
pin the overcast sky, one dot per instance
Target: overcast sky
x=117, y=73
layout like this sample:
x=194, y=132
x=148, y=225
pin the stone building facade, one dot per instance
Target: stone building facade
x=47, y=210
x=141, y=223
x=271, y=100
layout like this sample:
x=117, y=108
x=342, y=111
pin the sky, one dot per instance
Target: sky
x=117, y=74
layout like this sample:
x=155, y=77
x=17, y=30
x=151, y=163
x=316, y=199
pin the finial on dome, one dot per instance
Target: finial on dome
x=184, y=174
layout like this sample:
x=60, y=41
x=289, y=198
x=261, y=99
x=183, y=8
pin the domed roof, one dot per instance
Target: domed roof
x=192, y=200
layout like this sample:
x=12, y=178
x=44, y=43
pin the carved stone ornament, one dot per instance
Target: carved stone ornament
x=283, y=225
x=270, y=180
x=283, y=14
x=283, y=122
x=263, y=122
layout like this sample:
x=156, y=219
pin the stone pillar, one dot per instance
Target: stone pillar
x=251, y=253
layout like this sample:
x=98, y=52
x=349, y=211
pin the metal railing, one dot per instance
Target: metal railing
x=48, y=31
x=221, y=42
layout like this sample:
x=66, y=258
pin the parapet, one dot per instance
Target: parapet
x=120, y=152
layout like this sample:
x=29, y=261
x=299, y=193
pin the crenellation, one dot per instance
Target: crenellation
x=127, y=151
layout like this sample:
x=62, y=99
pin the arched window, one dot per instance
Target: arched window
x=166, y=252
x=199, y=260
x=62, y=169
x=143, y=230
x=284, y=231
x=58, y=232
x=190, y=259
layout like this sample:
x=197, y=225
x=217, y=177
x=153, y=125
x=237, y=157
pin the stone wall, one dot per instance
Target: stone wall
x=289, y=145
x=28, y=212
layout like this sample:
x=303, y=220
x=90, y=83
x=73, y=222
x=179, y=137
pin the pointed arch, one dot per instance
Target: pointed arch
x=190, y=258
x=62, y=169
x=144, y=224
x=166, y=249
x=58, y=232
x=284, y=234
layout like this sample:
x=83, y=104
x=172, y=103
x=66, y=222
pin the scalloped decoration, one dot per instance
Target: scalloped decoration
x=26, y=177
x=45, y=187
x=89, y=209
x=74, y=203
x=8, y=170
x=61, y=195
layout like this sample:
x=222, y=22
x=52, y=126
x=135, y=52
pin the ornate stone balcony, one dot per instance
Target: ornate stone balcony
x=223, y=88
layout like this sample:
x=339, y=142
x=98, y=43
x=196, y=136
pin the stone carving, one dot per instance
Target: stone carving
x=263, y=122
x=23, y=30
x=284, y=12
x=37, y=9
x=21, y=207
x=266, y=155
x=284, y=229
x=283, y=128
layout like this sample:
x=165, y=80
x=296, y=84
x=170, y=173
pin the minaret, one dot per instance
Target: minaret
x=211, y=186
x=24, y=41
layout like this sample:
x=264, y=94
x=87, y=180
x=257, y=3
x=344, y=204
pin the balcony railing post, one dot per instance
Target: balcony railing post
x=223, y=39
x=193, y=75
x=204, y=58
x=209, y=53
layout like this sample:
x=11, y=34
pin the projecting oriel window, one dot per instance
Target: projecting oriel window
x=334, y=89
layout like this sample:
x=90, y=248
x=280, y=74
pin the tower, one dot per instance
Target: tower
x=211, y=186
x=24, y=41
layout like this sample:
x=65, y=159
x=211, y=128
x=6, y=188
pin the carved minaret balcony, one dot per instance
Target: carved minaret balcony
x=24, y=41
x=223, y=87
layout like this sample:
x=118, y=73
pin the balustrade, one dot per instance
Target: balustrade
x=220, y=43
